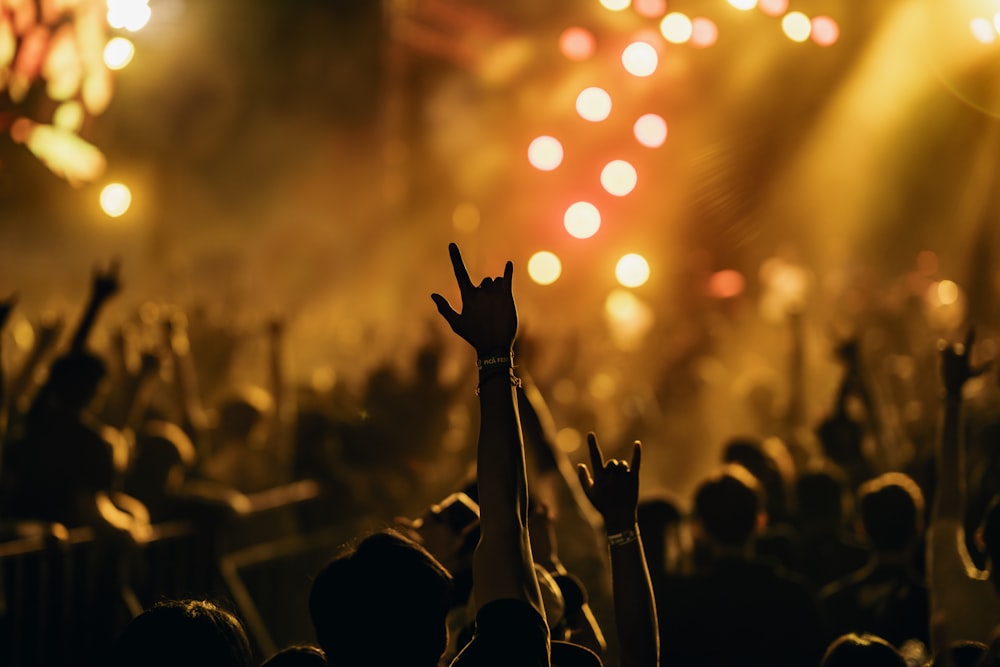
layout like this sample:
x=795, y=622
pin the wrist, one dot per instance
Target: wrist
x=619, y=538
x=493, y=359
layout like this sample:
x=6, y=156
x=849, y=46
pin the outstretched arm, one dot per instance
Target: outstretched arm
x=956, y=370
x=502, y=566
x=614, y=490
x=104, y=285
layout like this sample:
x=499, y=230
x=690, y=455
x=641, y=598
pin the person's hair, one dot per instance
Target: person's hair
x=300, y=655
x=821, y=494
x=383, y=601
x=861, y=650
x=891, y=507
x=183, y=632
x=728, y=504
x=159, y=447
x=841, y=438
x=752, y=454
x=962, y=653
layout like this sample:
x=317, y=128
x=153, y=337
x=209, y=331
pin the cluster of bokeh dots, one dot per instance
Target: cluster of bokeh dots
x=986, y=30
x=641, y=59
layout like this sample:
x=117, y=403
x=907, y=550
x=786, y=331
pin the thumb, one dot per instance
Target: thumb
x=447, y=312
x=586, y=481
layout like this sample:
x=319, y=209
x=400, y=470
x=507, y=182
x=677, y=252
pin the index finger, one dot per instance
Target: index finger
x=596, y=457
x=636, y=457
x=508, y=275
x=970, y=337
x=461, y=273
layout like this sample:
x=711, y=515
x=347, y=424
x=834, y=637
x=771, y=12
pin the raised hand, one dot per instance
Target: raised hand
x=50, y=328
x=106, y=282
x=613, y=488
x=6, y=307
x=956, y=368
x=488, y=320
x=849, y=353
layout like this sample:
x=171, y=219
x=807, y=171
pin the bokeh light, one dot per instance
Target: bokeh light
x=796, y=26
x=825, y=31
x=650, y=130
x=569, y=439
x=676, y=28
x=545, y=153
x=996, y=21
x=544, y=267
x=944, y=305
x=928, y=262
x=118, y=53
x=704, y=33
x=602, y=386
x=593, y=104
x=651, y=9
x=577, y=43
x=629, y=318
x=69, y=116
x=640, y=59
x=632, y=270
x=466, y=217
x=616, y=5
x=726, y=284
x=982, y=30
x=131, y=15
x=773, y=7
x=115, y=199
x=619, y=178
x=582, y=220
x=947, y=292
x=744, y=5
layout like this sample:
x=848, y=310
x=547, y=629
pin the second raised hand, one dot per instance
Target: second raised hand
x=613, y=488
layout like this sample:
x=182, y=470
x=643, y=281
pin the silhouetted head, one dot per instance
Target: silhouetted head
x=891, y=507
x=72, y=384
x=242, y=414
x=821, y=494
x=179, y=633
x=753, y=455
x=965, y=653
x=729, y=506
x=841, y=438
x=301, y=655
x=163, y=453
x=385, y=601
x=854, y=650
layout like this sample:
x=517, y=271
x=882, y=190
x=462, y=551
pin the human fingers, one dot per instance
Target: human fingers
x=596, y=456
x=636, y=456
x=447, y=312
x=458, y=264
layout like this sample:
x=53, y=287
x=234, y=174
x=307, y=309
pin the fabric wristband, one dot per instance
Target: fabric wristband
x=490, y=362
x=623, y=538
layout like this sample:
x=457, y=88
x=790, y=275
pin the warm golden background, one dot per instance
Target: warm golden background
x=312, y=159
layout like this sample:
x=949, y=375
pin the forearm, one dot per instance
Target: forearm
x=503, y=566
x=948, y=497
x=635, y=608
x=86, y=324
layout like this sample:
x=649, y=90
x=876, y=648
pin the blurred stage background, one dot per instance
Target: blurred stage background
x=312, y=159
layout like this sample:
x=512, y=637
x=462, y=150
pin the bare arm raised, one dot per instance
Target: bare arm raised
x=502, y=567
x=956, y=370
x=614, y=491
x=104, y=284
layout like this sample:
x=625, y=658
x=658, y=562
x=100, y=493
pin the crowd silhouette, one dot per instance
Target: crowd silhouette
x=140, y=489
